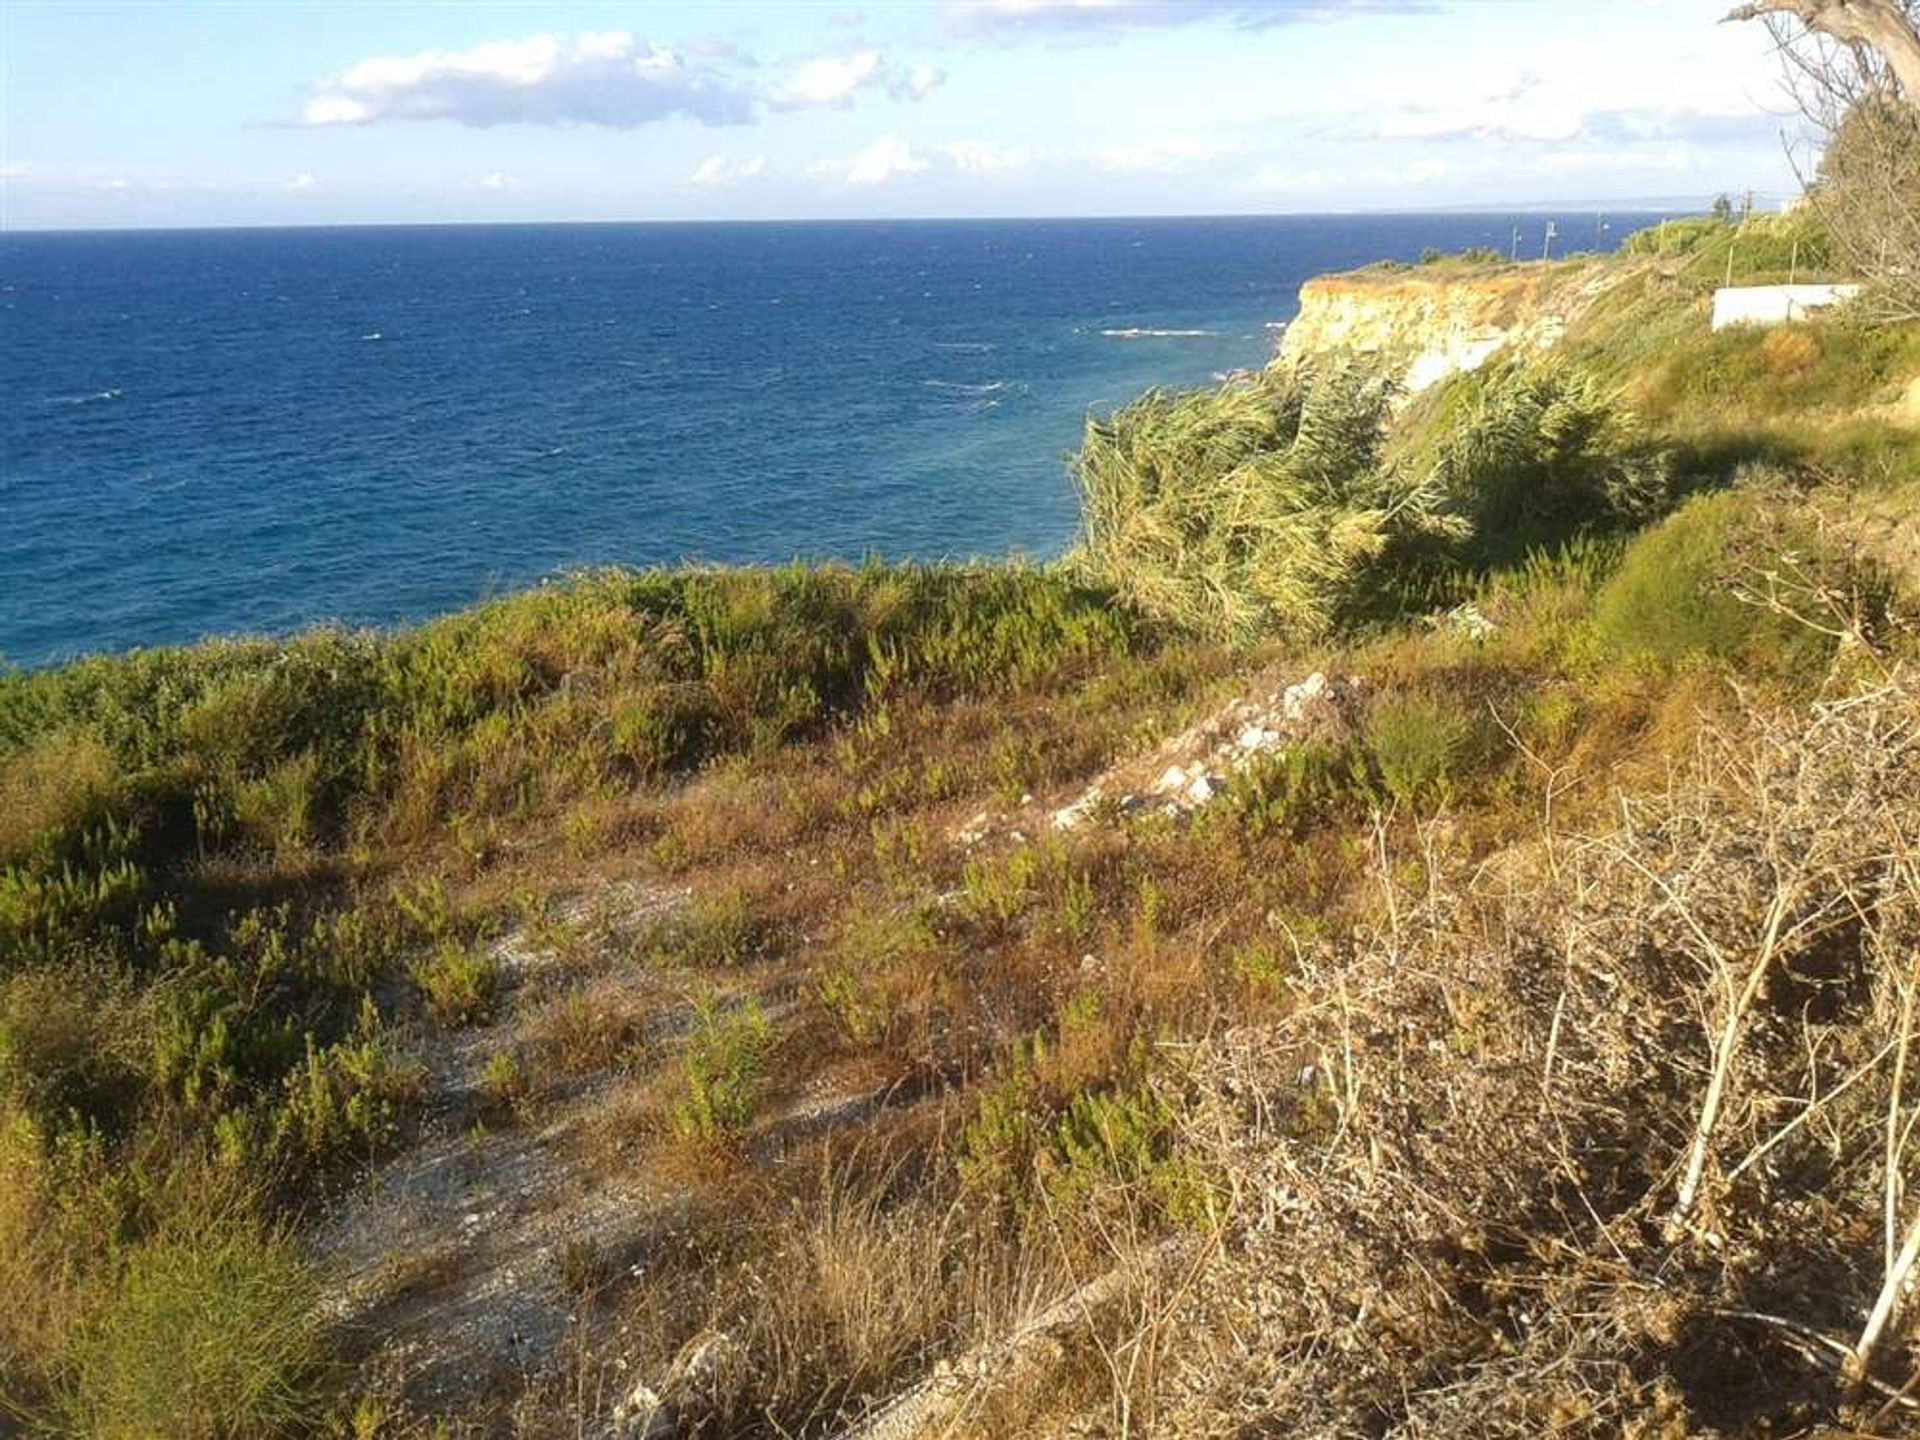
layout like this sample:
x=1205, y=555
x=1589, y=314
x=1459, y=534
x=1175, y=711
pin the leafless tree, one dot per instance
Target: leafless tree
x=1854, y=68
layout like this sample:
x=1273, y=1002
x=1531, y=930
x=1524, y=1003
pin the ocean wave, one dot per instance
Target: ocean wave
x=958, y=387
x=98, y=397
x=966, y=347
x=372, y=335
x=1144, y=334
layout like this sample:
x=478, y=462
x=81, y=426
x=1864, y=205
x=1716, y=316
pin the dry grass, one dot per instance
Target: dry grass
x=1610, y=1137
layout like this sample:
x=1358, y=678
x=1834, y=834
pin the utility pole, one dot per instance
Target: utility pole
x=1746, y=208
x=1546, y=245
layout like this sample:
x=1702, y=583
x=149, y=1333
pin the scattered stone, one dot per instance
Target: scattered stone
x=1195, y=766
x=1466, y=620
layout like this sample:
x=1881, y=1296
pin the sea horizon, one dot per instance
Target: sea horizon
x=1673, y=207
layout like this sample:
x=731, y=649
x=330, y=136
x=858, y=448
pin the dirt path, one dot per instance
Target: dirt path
x=450, y=1255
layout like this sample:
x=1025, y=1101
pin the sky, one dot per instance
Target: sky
x=262, y=113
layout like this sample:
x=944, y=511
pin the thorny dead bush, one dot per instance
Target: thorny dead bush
x=1610, y=1136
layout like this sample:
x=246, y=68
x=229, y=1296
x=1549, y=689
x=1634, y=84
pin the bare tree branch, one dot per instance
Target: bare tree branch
x=1886, y=26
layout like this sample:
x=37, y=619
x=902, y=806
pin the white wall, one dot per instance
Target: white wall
x=1774, y=304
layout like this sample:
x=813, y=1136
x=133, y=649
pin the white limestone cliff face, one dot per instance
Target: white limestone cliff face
x=1427, y=326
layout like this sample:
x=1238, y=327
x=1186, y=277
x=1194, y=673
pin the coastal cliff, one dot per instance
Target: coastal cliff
x=1430, y=323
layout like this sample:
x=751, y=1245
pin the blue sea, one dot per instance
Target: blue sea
x=255, y=430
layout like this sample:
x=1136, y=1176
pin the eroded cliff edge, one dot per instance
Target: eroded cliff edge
x=1430, y=323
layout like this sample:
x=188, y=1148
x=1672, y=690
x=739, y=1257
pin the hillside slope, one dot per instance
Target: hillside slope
x=1426, y=950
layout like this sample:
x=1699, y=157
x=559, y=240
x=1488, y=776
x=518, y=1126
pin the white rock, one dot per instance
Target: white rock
x=1174, y=780
x=642, y=1415
x=1296, y=698
x=1201, y=790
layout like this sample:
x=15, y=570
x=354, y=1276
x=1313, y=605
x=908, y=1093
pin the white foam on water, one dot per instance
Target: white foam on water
x=960, y=387
x=1145, y=334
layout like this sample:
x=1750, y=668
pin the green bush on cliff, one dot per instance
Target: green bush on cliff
x=1260, y=505
x=1540, y=456
x=1275, y=504
x=1701, y=588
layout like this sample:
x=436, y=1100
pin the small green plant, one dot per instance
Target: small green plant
x=998, y=891
x=857, y=986
x=345, y=1102
x=997, y=1144
x=505, y=1086
x=1297, y=789
x=459, y=984
x=723, y=1071
x=1119, y=1142
x=713, y=931
x=1419, y=744
x=1260, y=968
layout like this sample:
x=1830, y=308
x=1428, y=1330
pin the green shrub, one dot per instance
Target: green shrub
x=856, y=986
x=1690, y=590
x=1121, y=1139
x=998, y=889
x=1541, y=456
x=711, y=931
x=723, y=1069
x=70, y=1044
x=1296, y=789
x=1261, y=504
x=345, y=1101
x=998, y=1142
x=211, y=1334
x=505, y=1086
x=459, y=984
x=59, y=783
x=278, y=812
x=1419, y=744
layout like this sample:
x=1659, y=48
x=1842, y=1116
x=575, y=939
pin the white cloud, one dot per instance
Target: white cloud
x=1166, y=155
x=916, y=82
x=600, y=78
x=16, y=170
x=828, y=80
x=718, y=172
x=500, y=180
x=1021, y=16
x=887, y=159
x=833, y=81
x=302, y=181
x=985, y=157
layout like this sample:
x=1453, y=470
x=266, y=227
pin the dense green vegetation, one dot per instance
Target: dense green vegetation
x=245, y=887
